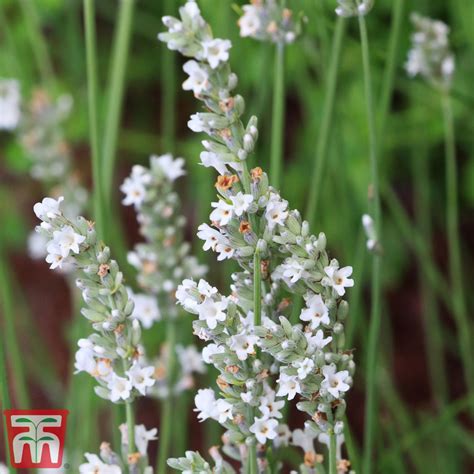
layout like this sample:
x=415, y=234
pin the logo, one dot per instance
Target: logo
x=36, y=437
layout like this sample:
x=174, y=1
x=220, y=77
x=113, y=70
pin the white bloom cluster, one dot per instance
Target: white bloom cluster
x=10, y=98
x=109, y=462
x=430, y=56
x=267, y=20
x=252, y=224
x=351, y=8
x=163, y=260
x=112, y=355
x=41, y=135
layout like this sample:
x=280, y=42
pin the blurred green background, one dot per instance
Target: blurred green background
x=424, y=424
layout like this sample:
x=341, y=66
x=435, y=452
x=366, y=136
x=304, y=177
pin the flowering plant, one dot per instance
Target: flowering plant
x=113, y=354
x=162, y=261
x=264, y=360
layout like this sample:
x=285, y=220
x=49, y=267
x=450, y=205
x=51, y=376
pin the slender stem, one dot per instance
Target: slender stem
x=332, y=453
x=130, y=414
x=116, y=89
x=390, y=67
x=12, y=344
x=5, y=396
x=454, y=250
x=168, y=109
x=276, y=150
x=328, y=109
x=91, y=57
x=130, y=419
x=38, y=43
x=167, y=412
x=257, y=320
x=375, y=316
x=257, y=289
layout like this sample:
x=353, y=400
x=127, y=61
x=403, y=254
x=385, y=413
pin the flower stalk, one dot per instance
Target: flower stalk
x=167, y=406
x=375, y=313
x=91, y=61
x=116, y=92
x=332, y=453
x=276, y=150
x=326, y=122
x=38, y=43
x=454, y=250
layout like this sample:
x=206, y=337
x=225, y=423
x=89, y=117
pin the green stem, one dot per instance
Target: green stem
x=257, y=321
x=167, y=412
x=390, y=68
x=276, y=150
x=91, y=56
x=257, y=289
x=130, y=414
x=454, y=250
x=5, y=396
x=12, y=344
x=168, y=109
x=375, y=316
x=116, y=90
x=326, y=123
x=332, y=453
x=38, y=43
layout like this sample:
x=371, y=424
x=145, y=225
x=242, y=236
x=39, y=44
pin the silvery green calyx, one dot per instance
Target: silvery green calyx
x=351, y=8
x=430, y=56
x=41, y=135
x=264, y=361
x=268, y=20
x=112, y=354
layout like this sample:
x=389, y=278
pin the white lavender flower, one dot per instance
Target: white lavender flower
x=10, y=112
x=267, y=20
x=430, y=56
x=142, y=437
